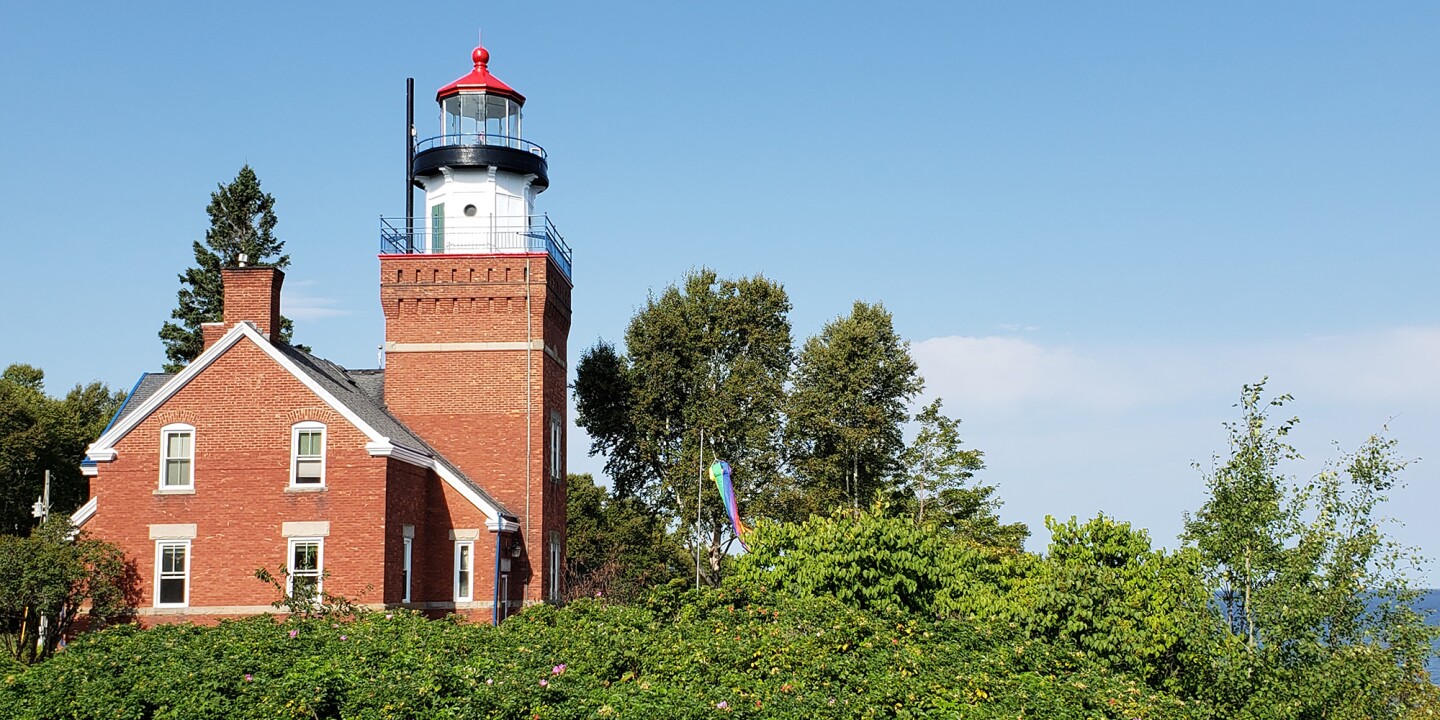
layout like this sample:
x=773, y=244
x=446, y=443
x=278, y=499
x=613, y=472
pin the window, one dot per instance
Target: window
x=464, y=577
x=177, y=457
x=556, y=449
x=307, y=454
x=405, y=570
x=172, y=573
x=307, y=563
x=554, y=567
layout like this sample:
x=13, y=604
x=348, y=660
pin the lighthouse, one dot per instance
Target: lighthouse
x=476, y=290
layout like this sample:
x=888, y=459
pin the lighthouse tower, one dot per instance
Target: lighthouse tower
x=476, y=297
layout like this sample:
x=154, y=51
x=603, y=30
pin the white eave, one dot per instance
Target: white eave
x=103, y=449
x=86, y=511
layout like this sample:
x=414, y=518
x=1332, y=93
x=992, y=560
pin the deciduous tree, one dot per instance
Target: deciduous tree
x=1317, y=600
x=47, y=577
x=702, y=379
x=847, y=410
x=616, y=547
x=39, y=433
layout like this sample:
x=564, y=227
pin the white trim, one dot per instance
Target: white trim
x=407, y=566
x=311, y=529
x=160, y=546
x=319, y=563
x=502, y=525
x=85, y=512
x=384, y=448
x=89, y=470
x=103, y=449
x=394, y=347
x=166, y=432
x=557, y=448
x=553, y=584
x=307, y=426
x=469, y=587
x=179, y=531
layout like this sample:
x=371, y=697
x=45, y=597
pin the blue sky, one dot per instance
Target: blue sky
x=1093, y=221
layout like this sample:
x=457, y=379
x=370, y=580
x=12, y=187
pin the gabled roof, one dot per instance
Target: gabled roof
x=355, y=395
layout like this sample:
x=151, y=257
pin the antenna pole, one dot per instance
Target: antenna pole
x=700, y=483
x=409, y=165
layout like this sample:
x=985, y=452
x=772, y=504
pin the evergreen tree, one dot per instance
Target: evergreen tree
x=242, y=221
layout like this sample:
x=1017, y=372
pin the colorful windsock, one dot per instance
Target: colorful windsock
x=720, y=473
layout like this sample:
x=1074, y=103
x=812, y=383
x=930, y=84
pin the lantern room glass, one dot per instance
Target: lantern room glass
x=480, y=119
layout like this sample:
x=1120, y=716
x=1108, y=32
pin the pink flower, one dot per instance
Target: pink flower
x=723, y=705
x=557, y=669
x=389, y=615
x=489, y=681
x=293, y=633
x=544, y=683
x=248, y=677
x=344, y=637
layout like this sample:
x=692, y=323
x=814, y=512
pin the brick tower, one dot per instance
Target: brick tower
x=476, y=296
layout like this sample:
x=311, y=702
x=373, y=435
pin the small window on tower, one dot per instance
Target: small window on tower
x=470, y=211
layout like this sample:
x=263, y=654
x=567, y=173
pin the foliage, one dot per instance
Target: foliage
x=681, y=655
x=616, y=547
x=862, y=558
x=708, y=357
x=46, y=578
x=1103, y=590
x=302, y=601
x=242, y=222
x=1316, y=601
x=847, y=409
x=39, y=433
x=937, y=485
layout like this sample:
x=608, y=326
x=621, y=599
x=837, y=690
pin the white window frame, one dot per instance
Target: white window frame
x=555, y=448
x=465, y=593
x=160, y=547
x=319, y=571
x=309, y=426
x=554, y=567
x=407, y=570
x=165, y=435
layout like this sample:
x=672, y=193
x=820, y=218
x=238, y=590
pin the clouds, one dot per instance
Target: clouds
x=1005, y=375
x=299, y=304
x=1082, y=429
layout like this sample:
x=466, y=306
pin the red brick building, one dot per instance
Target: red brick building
x=435, y=483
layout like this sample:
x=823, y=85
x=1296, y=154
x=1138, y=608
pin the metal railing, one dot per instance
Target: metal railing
x=518, y=234
x=455, y=139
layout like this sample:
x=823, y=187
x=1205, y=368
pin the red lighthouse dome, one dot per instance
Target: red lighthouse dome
x=480, y=81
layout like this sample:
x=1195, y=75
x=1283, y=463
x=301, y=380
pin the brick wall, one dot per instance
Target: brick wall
x=475, y=405
x=243, y=408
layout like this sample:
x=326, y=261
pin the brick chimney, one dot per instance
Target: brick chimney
x=253, y=293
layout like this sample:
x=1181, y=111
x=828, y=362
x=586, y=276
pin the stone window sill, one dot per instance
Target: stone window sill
x=175, y=491
x=305, y=488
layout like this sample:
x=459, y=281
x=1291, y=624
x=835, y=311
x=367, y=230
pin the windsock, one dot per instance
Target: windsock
x=720, y=473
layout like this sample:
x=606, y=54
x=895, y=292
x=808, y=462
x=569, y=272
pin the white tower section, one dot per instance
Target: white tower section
x=479, y=175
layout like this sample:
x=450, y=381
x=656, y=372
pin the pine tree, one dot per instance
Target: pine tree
x=242, y=221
